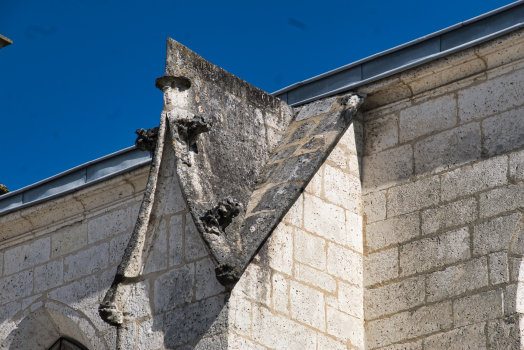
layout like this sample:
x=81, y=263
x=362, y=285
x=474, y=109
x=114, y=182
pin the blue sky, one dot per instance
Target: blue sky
x=79, y=77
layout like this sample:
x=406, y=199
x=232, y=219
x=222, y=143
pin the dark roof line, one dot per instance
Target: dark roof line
x=75, y=179
x=430, y=47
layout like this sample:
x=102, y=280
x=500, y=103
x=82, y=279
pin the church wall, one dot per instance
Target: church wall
x=442, y=186
x=304, y=288
x=58, y=258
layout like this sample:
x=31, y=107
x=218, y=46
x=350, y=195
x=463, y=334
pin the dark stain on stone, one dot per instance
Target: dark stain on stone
x=300, y=132
x=299, y=168
x=269, y=171
x=146, y=139
x=3, y=189
x=314, y=143
x=285, y=153
x=336, y=121
x=228, y=274
x=277, y=197
x=218, y=218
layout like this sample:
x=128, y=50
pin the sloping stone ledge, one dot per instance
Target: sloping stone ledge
x=23, y=224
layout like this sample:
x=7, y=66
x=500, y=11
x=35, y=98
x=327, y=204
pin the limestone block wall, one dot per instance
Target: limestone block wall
x=58, y=258
x=304, y=289
x=442, y=184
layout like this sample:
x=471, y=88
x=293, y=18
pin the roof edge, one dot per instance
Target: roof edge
x=443, y=42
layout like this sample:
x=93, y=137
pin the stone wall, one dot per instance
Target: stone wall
x=58, y=258
x=442, y=196
x=408, y=237
x=304, y=289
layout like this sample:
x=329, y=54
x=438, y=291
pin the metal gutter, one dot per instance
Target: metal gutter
x=430, y=47
x=75, y=179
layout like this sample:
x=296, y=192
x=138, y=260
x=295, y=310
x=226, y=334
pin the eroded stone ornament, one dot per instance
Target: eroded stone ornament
x=146, y=139
x=242, y=158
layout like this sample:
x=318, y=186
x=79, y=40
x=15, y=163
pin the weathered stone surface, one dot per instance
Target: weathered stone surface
x=504, y=333
x=77, y=294
x=310, y=250
x=206, y=283
x=291, y=335
x=516, y=170
x=345, y=264
x=396, y=230
x=49, y=275
x=470, y=179
x=329, y=343
x=374, y=206
x=342, y=189
x=86, y=262
x=68, y=239
x=354, y=234
x=470, y=337
x=413, y=196
x=503, y=132
x=315, y=278
x=277, y=196
x=324, y=219
x=316, y=108
x=307, y=305
x=280, y=285
x=456, y=280
x=300, y=132
x=498, y=268
x=501, y=200
x=256, y=284
x=386, y=168
x=117, y=247
x=380, y=266
x=27, y=255
x=394, y=297
x=16, y=286
x=3, y=189
x=150, y=333
x=448, y=149
x=350, y=300
x=494, y=235
x=477, y=308
x=194, y=246
x=174, y=288
x=410, y=324
x=380, y=134
x=445, y=249
x=191, y=322
x=277, y=252
x=108, y=225
x=146, y=139
x=156, y=253
x=176, y=231
x=344, y=327
x=492, y=96
x=457, y=213
x=427, y=118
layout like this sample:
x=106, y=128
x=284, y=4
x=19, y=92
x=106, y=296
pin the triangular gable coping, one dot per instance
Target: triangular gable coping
x=242, y=159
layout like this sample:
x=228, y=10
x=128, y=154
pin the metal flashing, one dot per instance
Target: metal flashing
x=75, y=179
x=427, y=48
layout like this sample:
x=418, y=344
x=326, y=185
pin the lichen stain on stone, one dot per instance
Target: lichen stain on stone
x=237, y=181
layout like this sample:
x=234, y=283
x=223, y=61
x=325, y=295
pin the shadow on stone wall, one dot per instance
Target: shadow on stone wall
x=42, y=327
x=201, y=325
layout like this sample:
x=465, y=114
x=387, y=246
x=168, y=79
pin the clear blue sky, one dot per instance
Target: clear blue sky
x=79, y=77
